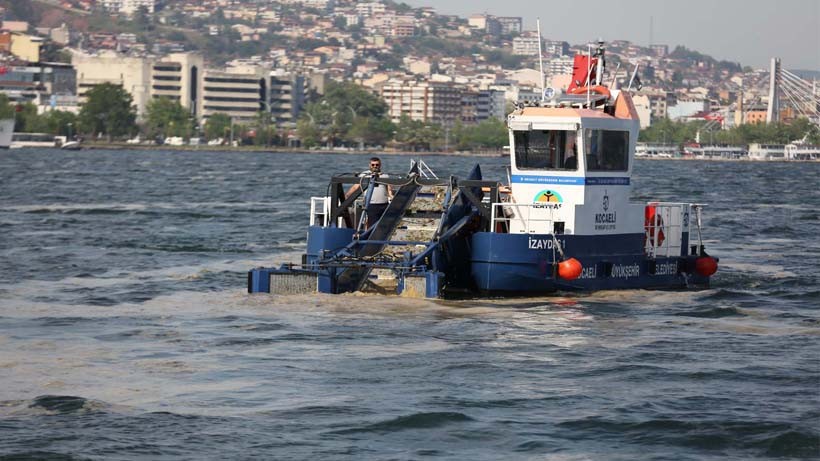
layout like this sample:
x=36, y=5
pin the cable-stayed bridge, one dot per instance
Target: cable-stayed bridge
x=788, y=90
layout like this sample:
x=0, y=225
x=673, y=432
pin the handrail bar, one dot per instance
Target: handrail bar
x=495, y=219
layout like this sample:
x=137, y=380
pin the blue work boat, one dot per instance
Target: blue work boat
x=561, y=222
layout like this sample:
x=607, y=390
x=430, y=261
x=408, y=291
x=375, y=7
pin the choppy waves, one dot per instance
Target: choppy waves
x=126, y=331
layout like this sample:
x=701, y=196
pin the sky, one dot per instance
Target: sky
x=749, y=32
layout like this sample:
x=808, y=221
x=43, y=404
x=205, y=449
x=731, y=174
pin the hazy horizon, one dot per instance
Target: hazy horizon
x=750, y=33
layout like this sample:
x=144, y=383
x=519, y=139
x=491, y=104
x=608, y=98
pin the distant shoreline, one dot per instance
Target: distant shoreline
x=287, y=150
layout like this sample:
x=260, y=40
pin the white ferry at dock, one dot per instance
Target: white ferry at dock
x=716, y=152
x=657, y=150
x=796, y=151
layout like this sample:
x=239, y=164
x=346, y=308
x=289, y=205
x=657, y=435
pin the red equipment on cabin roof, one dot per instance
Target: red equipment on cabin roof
x=583, y=72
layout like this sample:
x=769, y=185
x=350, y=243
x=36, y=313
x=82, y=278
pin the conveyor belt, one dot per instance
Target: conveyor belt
x=352, y=279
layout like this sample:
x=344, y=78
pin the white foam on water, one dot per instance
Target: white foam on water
x=769, y=270
x=17, y=294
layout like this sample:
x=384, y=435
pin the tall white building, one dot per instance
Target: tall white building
x=368, y=9
x=239, y=92
x=128, y=7
x=131, y=73
x=526, y=46
x=177, y=77
x=560, y=66
x=425, y=101
x=510, y=24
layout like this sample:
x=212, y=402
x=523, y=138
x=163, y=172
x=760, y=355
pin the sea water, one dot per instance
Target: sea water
x=126, y=331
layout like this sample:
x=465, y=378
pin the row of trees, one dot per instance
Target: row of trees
x=775, y=133
x=346, y=115
x=349, y=115
x=108, y=112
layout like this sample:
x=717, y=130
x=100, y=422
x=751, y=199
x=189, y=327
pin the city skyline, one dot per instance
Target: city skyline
x=747, y=32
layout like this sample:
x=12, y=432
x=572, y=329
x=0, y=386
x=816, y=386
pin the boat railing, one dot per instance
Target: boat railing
x=664, y=229
x=511, y=213
x=319, y=211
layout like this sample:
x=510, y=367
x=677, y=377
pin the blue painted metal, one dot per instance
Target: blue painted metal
x=435, y=283
x=571, y=180
x=326, y=282
x=508, y=263
x=259, y=280
x=322, y=240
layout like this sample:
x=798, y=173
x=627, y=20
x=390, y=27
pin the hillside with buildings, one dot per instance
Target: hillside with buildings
x=243, y=58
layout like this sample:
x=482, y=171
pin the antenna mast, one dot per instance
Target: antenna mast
x=540, y=57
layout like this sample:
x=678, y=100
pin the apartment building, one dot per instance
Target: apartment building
x=491, y=104
x=403, y=28
x=526, y=45
x=368, y=9
x=659, y=50
x=560, y=66
x=478, y=106
x=26, y=47
x=556, y=48
x=128, y=7
x=510, y=24
x=437, y=102
x=658, y=102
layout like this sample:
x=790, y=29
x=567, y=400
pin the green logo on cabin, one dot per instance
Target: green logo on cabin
x=548, y=196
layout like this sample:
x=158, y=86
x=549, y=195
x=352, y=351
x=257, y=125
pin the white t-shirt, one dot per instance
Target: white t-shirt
x=380, y=195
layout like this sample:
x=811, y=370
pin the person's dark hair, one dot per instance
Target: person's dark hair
x=375, y=159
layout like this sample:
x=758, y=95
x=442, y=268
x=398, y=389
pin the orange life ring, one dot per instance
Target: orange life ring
x=599, y=89
x=652, y=222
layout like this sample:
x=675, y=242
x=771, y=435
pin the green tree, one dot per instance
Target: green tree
x=370, y=130
x=340, y=108
x=665, y=130
x=6, y=107
x=108, y=110
x=218, y=126
x=488, y=133
x=308, y=132
x=166, y=117
x=265, y=132
x=418, y=135
x=59, y=123
x=27, y=120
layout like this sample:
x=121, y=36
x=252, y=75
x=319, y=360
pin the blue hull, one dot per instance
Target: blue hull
x=525, y=264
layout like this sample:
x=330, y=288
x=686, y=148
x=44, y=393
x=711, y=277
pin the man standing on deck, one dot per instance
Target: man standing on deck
x=382, y=193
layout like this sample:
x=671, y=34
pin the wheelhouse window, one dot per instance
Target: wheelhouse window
x=606, y=150
x=545, y=150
